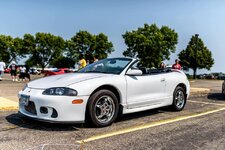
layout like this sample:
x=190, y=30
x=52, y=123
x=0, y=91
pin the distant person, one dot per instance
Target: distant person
x=176, y=65
x=87, y=62
x=27, y=74
x=95, y=58
x=162, y=65
x=27, y=68
x=13, y=71
x=82, y=62
x=2, y=68
x=22, y=73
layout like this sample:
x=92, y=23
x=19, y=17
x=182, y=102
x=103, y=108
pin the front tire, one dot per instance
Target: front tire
x=179, y=99
x=102, y=108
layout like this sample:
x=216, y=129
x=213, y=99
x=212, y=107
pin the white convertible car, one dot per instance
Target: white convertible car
x=102, y=90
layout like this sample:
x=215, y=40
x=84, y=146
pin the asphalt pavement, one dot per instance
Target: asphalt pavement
x=199, y=126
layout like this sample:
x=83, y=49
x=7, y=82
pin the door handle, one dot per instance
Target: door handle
x=163, y=79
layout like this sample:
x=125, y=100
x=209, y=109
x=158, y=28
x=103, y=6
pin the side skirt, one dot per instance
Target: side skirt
x=167, y=102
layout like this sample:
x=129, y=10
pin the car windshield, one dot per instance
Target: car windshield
x=110, y=65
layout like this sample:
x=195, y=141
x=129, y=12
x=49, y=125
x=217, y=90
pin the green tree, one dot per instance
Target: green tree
x=70, y=51
x=196, y=55
x=10, y=49
x=150, y=44
x=29, y=44
x=44, y=48
x=90, y=45
x=5, y=45
x=102, y=47
x=17, y=50
x=63, y=62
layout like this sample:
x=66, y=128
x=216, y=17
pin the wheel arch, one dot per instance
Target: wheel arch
x=110, y=88
x=184, y=87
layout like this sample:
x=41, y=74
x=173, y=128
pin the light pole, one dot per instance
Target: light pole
x=196, y=49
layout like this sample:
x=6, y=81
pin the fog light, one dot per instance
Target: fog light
x=43, y=110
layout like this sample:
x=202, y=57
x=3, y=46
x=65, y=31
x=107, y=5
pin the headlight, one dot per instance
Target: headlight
x=61, y=91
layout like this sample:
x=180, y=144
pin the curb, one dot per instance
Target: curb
x=199, y=92
x=8, y=108
x=7, y=104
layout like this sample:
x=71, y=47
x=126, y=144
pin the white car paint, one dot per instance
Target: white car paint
x=137, y=93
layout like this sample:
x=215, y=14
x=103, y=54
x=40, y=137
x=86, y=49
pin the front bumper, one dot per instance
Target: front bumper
x=51, y=108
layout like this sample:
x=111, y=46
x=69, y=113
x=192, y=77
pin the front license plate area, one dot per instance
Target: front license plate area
x=24, y=99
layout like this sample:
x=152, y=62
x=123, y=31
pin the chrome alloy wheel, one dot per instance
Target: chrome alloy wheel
x=104, y=109
x=179, y=99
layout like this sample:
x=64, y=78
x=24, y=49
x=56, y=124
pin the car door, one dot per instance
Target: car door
x=144, y=90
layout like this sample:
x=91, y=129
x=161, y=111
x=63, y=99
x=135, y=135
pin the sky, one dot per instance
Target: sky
x=114, y=17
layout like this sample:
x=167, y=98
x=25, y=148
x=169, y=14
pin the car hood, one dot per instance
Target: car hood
x=64, y=80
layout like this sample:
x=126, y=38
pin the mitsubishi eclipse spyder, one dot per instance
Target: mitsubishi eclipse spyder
x=102, y=90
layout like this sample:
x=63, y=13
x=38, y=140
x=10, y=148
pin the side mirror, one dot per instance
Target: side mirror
x=134, y=72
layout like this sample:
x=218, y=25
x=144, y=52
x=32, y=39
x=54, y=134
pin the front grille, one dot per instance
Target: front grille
x=31, y=108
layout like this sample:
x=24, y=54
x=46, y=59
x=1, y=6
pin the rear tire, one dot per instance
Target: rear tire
x=102, y=108
x=179, y=99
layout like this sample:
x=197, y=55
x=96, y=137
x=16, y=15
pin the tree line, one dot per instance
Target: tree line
x=150, y=44
x=46, y=49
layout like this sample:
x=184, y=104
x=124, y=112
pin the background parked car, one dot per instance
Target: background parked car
x=34, y=71
x=201, y=76
x=57, y=71
x=221, y=76
x=210, y=76
x=223, y=87
x=7, y=70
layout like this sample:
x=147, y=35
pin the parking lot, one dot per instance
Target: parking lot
x=201, y=125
